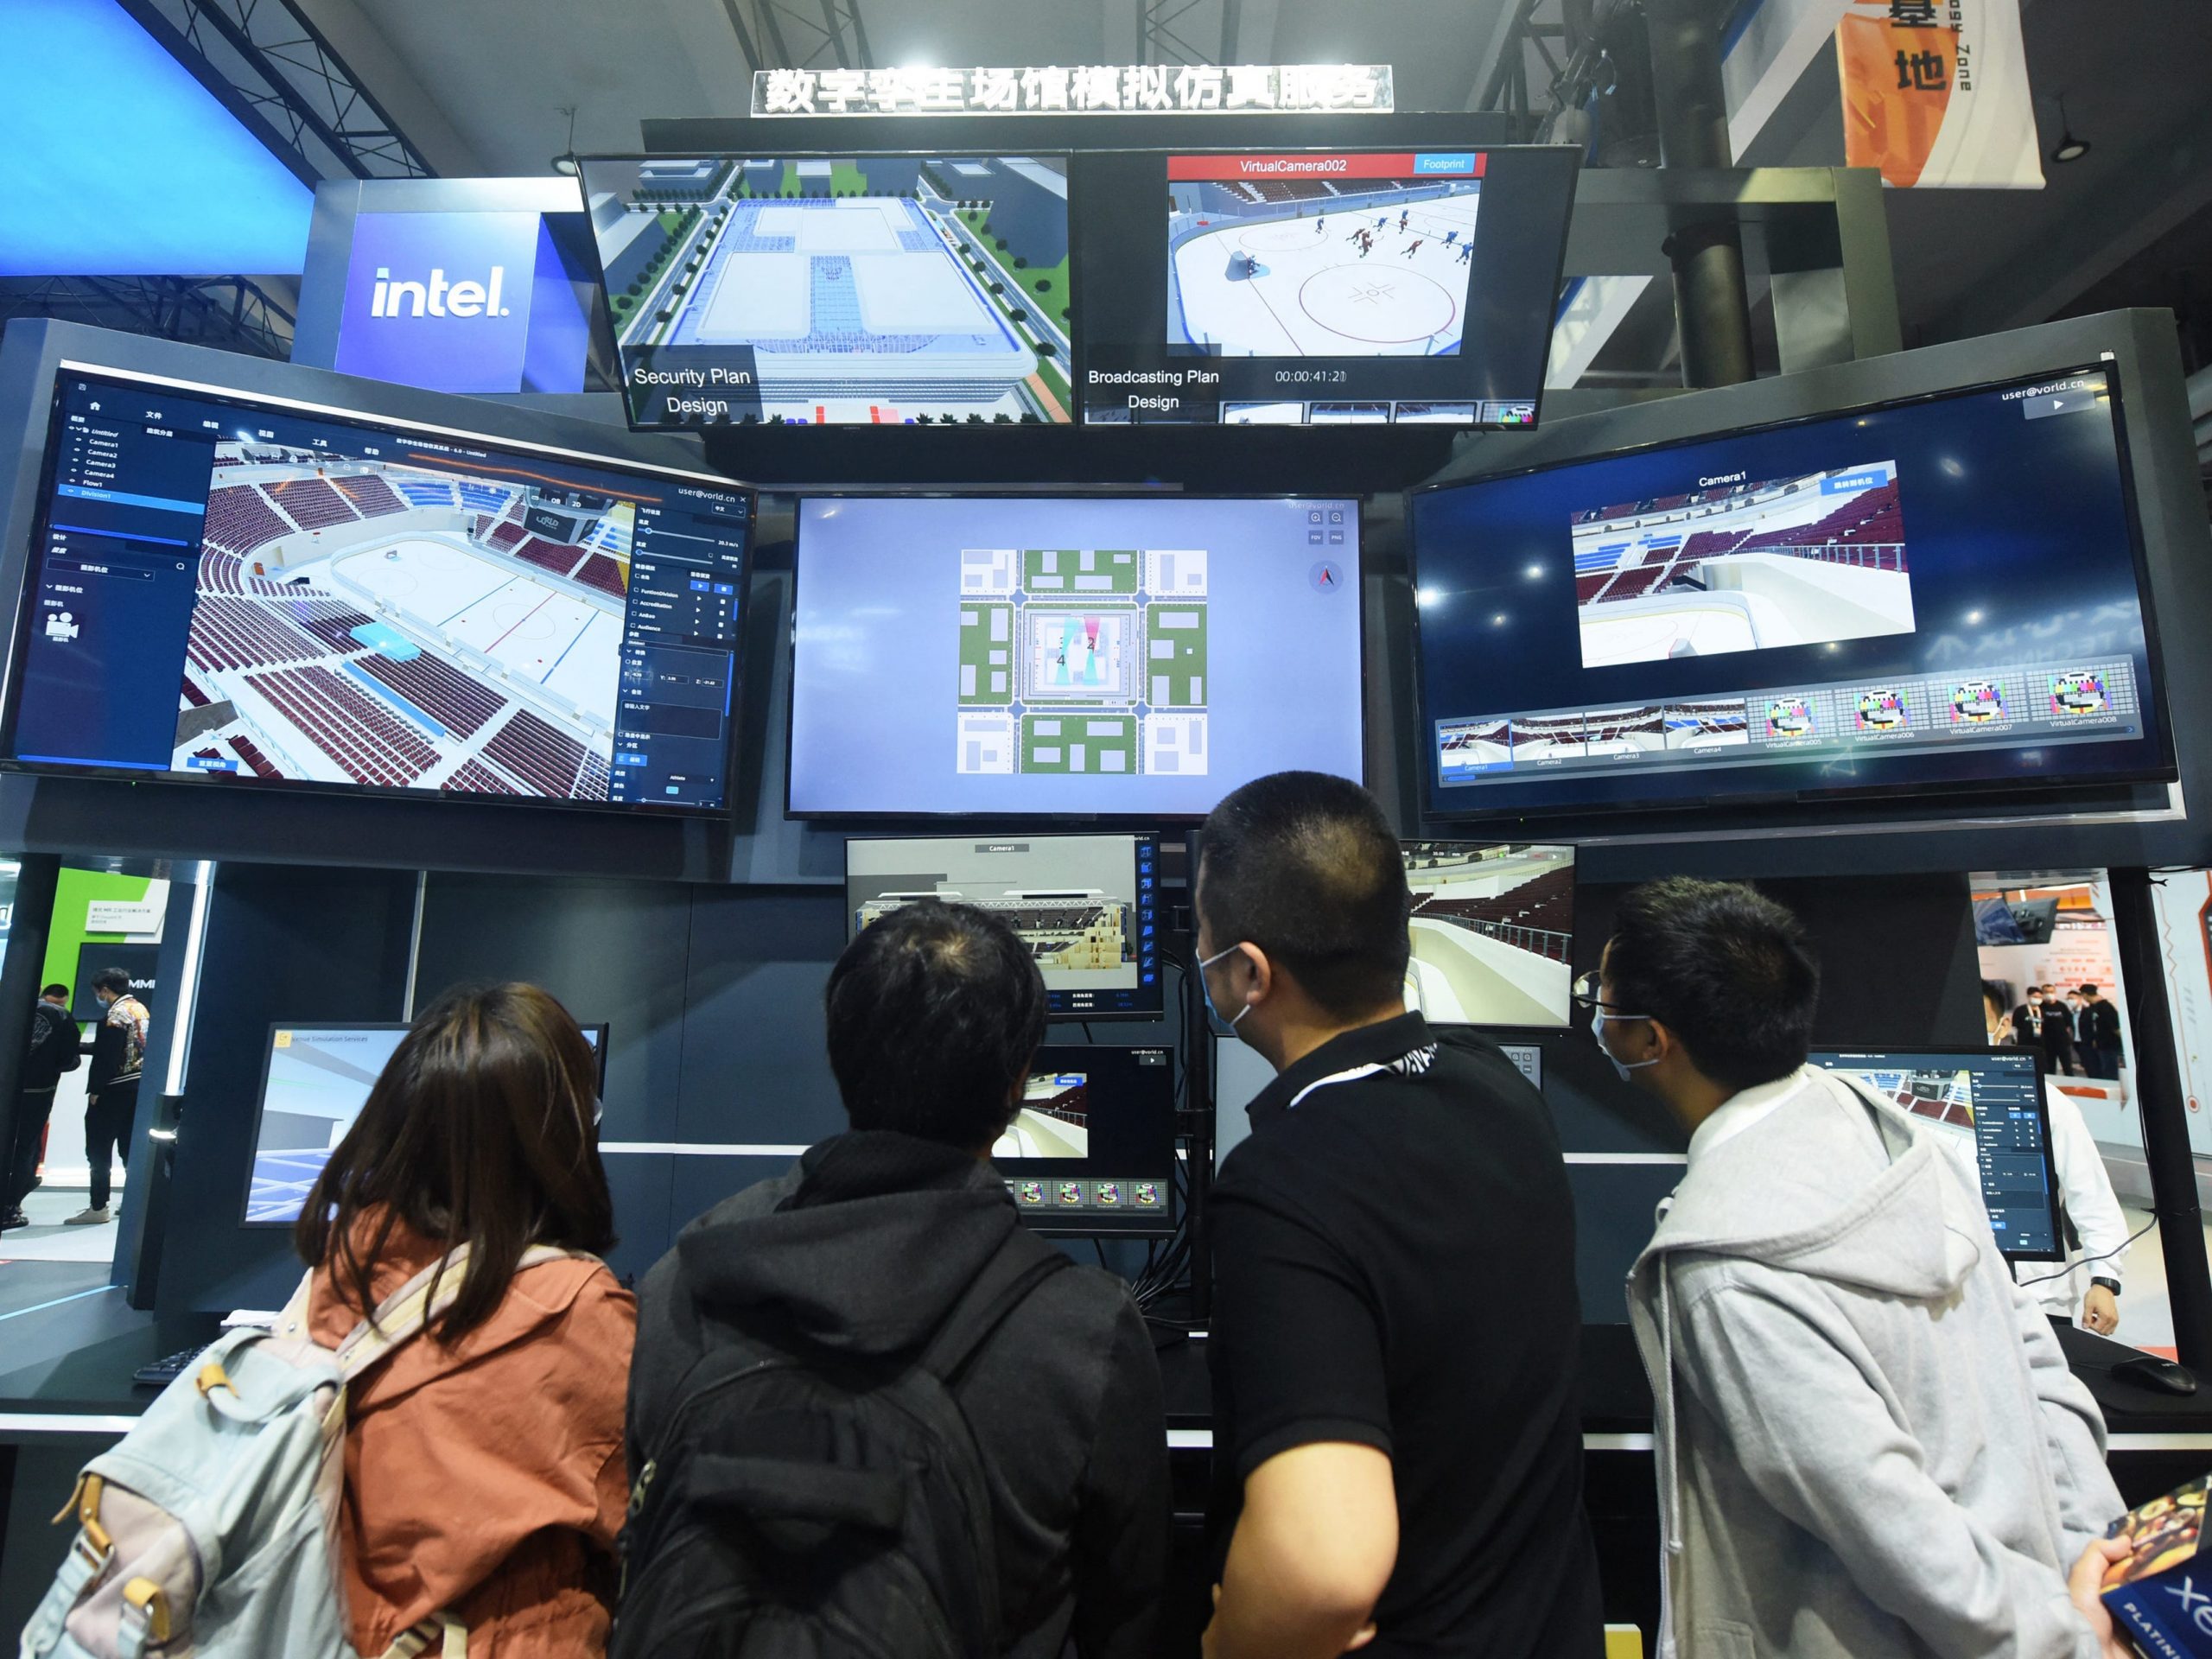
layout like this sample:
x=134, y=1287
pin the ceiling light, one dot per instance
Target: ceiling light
x=2068, y=148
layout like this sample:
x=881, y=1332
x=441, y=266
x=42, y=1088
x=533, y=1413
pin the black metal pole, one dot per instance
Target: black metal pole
x=2155, y=1087
x=1707, y=253
x=37, y=876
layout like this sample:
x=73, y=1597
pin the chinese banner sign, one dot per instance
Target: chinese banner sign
x=1935, y=93
x=1090, y=89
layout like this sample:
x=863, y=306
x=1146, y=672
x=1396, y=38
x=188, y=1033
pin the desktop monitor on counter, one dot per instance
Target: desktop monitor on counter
x=1985, y=1107
x=1092, y=1148
x=314, y=1081
x=1087, y=906
x=1492, y=929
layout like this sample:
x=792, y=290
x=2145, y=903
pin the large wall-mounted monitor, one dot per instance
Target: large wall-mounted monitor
x=1493, y=932
x=844, y=290
x=1088, y=906
x=1028, y=656
x=1311, y=288
x=1985, y=1107
x=253, y=591
x=1942, y=593
x=1092, y=1149
x=315, y=1080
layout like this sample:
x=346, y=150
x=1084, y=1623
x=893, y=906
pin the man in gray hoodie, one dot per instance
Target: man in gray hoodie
x=1867, y=1444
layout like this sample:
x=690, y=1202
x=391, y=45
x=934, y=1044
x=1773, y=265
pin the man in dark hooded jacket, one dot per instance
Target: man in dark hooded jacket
x=934, y=1013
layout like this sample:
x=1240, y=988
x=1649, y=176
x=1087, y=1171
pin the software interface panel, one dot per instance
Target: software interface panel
x=228, y=589
x=1035, y=655
x=1985, y=1110
x=1092, y=1148
x=1313, y=288
x=1492, y=932
x=853, y=290
x=1085, y=905
x=1944, y=591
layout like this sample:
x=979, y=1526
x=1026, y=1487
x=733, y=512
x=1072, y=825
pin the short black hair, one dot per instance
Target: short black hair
x=2089, y=990
x=934, y=1013
x=1997, y=992
x=1305, y=865
x=111, y=979
x=60, y=990
x=1724, y=969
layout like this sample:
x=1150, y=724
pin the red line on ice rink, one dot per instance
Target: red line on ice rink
x=519, y=621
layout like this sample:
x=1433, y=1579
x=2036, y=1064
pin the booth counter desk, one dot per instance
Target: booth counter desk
x=57, y=1414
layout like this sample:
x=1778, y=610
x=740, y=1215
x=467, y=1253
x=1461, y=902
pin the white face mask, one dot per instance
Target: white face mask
x=1598, y=1018
x=1206, y=990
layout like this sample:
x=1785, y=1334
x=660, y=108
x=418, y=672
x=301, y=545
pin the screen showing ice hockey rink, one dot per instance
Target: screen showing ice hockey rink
x=1492, y=932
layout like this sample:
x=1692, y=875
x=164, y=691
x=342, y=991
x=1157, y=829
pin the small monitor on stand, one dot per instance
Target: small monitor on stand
x=1092, y=1149
x=1985, y=1107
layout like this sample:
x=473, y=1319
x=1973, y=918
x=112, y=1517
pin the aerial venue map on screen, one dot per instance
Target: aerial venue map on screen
x=1082, y=659
x=361, y=622
x=870, y=290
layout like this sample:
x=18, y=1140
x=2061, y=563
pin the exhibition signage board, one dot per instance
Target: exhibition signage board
x=2183, y=902
x=1935, y=94
x=1089, y=89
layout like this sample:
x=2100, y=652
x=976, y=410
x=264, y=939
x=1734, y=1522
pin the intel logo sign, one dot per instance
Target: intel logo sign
x=437, y=297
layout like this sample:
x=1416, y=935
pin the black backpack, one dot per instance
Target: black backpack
x=804, y=1505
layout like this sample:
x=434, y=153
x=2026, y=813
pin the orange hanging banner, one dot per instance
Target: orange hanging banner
x=1935, y=93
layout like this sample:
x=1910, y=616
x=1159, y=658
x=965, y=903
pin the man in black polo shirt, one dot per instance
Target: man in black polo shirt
x=1396, y=1327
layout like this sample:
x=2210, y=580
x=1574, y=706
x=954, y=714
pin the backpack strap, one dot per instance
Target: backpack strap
x=403, y=1313
x=1022, y=1262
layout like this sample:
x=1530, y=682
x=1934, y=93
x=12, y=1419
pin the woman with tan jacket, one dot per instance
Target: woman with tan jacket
x=485, y=1481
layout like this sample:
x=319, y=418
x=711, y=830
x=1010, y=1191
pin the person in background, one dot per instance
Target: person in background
x=2097, y=1035
x=862, y=1255
x=2058, y=1034
x=2027, y=1029
x=485, y=1481
x=1867, y=1440
x=2092, y=1214
x=54, y=1042
x=112, y=1088
x=1397, y=1468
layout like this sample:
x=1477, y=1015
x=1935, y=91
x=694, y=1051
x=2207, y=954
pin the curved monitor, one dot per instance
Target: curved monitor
x=1941, y=594
x=252, y=592
x=1099, y=657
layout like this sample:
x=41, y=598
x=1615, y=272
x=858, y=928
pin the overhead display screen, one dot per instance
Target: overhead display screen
x=1316, y=288
x=243, y=591
x=837, y=290
x=1093, y=655
x=1939, y=592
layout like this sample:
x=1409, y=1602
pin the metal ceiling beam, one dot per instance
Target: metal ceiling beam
x=269, y=64
x=233, y=312
x=800, y=34
x=1163, y=27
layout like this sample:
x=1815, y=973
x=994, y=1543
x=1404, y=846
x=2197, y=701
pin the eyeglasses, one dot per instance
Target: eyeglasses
x=1584, y=994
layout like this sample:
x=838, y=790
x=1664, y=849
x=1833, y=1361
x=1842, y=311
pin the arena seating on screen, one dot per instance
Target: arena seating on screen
x=1870, y=518
x=1545, y=904
x=485, y=498
x=194, y=695
x=603, y=573
x=237, y=633
x=369, y=495
x=477, y=779
x=547, y=760
x=239, y=520
x=312, y=503
x=508, y=536
x=556, y=556
x=332, y=621
x=447, y=696
x=369, y=744
x=250, y=752
x=591, y=783
x=427, y=492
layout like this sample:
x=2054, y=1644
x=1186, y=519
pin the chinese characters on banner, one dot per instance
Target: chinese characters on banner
x=1935, y=93
x=1091, y=89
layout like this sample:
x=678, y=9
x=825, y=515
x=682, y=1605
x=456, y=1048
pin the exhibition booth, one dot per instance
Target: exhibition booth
x=968, y=524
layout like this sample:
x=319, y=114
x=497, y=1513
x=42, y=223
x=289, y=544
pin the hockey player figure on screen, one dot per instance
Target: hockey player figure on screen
x=1403, y=216
x=1466, y=253
x=1411, y=248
